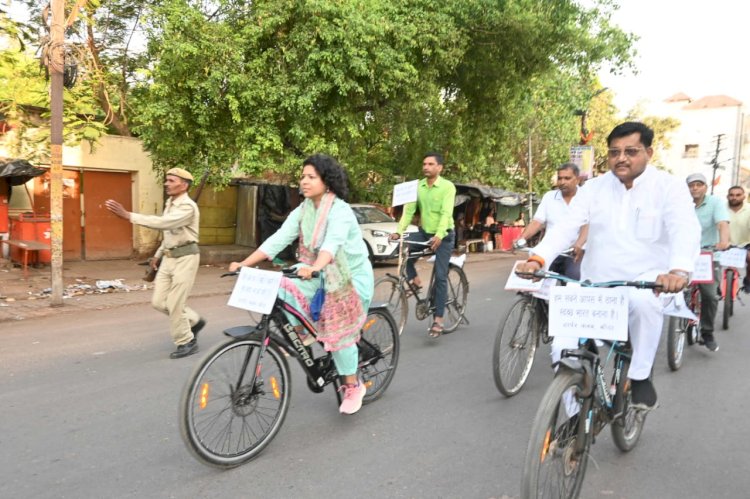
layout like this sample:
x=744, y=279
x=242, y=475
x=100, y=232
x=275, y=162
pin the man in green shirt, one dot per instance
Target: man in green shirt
x=435, y=199
x=714, y=219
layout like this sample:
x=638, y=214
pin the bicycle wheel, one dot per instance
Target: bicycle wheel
x=557, y=454
x=455, y=303
x=728, y=288
x=378, y=353
x=694, y=326
x=515, y=346
x=388, y=290
x=226, y=418
x=628, y=425
x=676, y=333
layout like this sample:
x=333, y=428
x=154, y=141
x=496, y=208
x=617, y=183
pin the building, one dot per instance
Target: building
x=694, y=144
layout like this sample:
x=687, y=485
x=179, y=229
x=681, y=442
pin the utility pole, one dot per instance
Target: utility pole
x=715, y=161
x=56, y=68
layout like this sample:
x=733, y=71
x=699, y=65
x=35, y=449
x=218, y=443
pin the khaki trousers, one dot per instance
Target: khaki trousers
x=171, y=289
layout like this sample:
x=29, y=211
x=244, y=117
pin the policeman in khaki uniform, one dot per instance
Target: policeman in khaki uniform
x=180, y=258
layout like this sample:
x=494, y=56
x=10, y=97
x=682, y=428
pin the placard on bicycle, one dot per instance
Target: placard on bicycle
x=597, y=313
x=255, y=290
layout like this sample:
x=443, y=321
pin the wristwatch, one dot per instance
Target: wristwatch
x=681, y=273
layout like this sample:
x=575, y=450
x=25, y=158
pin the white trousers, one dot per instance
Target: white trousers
x=645, y=320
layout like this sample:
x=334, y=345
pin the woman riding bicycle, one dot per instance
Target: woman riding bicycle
x=330, y=242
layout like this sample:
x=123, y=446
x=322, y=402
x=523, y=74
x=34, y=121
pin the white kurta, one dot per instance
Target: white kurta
x=634, y=234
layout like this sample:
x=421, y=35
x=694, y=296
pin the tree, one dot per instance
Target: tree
x=24, y=103
x=250, y=87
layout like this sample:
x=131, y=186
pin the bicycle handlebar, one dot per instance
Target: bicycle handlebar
x=289, y=272
x=541, y=274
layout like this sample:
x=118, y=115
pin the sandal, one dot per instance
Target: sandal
x=435, y=330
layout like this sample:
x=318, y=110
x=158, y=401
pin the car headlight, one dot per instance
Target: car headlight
x=380, y=233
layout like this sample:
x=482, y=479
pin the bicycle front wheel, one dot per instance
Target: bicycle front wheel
x=235, y=402
x=628, y=425
x=378, y=353
x=515, y=346
x=455, y=304
x=728, y=295
x=676, y=334
x=557, y=454
x=388, y=290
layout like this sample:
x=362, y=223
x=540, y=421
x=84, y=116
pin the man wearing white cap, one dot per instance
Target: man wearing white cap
x=714, y=219
x=180, y=258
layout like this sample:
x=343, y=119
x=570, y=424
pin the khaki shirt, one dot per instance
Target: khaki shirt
x=739, y=226
x=179, y=223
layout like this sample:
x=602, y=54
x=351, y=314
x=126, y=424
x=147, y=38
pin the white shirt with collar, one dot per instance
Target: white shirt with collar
x=552, y=209
x=649, y=228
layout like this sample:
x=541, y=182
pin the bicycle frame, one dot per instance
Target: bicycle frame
x=599, y=396
x=319, y=370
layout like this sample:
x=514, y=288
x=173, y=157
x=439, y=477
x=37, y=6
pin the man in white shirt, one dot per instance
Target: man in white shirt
x=555, y=207
x=642, y=226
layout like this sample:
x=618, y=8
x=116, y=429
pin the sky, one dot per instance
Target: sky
x=696, y=47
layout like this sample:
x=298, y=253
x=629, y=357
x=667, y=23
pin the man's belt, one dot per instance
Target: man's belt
x=182, y=250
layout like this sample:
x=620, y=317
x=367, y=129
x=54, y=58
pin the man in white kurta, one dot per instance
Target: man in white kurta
x=642, y=226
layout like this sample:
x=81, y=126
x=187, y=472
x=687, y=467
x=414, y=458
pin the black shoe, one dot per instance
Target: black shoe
x=710, y=342
x=184, y=350
x=643, y=395
x=197, y=328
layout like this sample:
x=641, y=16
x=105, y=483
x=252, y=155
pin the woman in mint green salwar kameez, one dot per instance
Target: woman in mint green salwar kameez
x=330, y=241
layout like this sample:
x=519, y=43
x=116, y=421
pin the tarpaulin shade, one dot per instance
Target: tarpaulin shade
x=18, y=171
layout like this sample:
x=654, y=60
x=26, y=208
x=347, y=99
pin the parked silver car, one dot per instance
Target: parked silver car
x=376, y=226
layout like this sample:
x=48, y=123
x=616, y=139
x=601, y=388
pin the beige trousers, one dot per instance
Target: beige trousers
x=171, y=289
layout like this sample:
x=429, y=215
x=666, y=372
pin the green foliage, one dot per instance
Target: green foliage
x=24, y=104
x=240, y=87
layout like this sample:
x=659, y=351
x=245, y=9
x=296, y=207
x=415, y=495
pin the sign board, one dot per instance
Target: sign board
x=255, y=290
x=733, y=257
x=704, y=268
x=516, y=283
x=405, y=192
x=583, y=157
x=676, y=306
x=598, y=313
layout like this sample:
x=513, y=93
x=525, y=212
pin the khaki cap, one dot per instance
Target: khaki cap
x=179, y=172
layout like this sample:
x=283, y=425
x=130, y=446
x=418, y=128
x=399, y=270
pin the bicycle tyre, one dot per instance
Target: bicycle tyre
x=379, y=349
x=676, y=337
x=695, y=305
x=728, y=295
x=515, y=346
x=225, y=426
x=388, y=290
x=455, y=303
x=552, y=443
x=626, y=428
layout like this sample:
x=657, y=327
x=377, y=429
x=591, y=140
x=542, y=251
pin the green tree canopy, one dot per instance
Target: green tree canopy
x=255, y=86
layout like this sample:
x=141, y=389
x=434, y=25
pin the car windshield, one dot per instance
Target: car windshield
x=370, y=215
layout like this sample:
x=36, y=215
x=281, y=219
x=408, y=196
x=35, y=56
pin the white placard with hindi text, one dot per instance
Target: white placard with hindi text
x=704, y=268
x=598, y=313
x=675, y=306
x=547, y=285
x=405, y=192
x=516, y=283
x=255, y=290
x=733, y=257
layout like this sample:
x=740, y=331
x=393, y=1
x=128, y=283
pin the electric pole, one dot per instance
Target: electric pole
x=56, y=68
x=715, y=161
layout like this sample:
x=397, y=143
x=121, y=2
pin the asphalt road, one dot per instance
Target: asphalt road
x=89, y=410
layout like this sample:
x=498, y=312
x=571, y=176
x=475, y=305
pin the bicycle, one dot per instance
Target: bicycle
x=396, y=289
x=682, y=329
x=576, y=407
x=237, y=397
x=518, y=338
x=730, y=280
